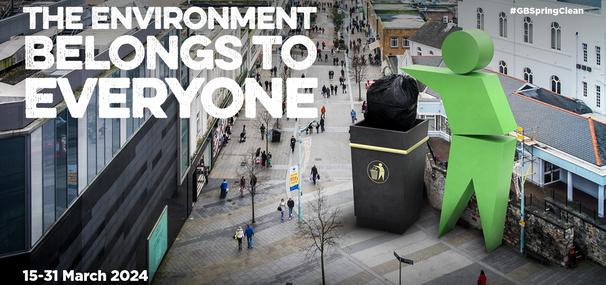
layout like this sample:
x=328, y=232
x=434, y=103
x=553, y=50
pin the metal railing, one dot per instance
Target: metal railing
x=564, y=210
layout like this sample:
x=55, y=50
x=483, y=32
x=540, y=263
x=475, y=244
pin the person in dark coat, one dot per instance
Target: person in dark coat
x=263, y=158
x=253, y=184
x=262, y=129
x=293, y=141
x=291, y=205
x=314, y=174
x=322, y=123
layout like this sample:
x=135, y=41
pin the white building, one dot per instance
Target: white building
x=561, y=53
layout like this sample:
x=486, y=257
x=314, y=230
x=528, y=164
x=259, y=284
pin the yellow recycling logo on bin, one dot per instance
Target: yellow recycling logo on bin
x=377, y=171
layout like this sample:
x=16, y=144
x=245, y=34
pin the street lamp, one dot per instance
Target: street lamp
x=401, y=260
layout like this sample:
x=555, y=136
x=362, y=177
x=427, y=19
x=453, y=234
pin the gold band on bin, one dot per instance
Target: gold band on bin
x=390, y=150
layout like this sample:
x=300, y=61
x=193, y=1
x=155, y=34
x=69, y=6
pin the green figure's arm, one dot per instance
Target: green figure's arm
x=475, y=102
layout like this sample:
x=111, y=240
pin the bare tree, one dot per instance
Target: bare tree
x=359, y=70
x=248, y=169
x=321, y=228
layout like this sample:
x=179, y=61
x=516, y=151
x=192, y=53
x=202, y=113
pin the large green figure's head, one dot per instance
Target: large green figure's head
x=466, y=51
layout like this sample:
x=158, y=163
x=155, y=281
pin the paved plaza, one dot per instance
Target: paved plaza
x=206, y=253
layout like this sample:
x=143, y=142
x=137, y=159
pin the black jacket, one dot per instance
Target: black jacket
x=290, y=203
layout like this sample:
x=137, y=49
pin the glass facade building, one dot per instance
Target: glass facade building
x=44, y=171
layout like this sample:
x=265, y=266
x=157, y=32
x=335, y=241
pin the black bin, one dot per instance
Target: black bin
x=387, y=168
x=275, y=135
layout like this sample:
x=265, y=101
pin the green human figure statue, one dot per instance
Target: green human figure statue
x=481, y=154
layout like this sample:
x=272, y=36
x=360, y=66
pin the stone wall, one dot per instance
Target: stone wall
x=544, y=235
x=434, y=182
x=589, y=237
x=591, y=240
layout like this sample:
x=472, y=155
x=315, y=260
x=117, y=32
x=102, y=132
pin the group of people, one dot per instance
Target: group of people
x=282, y=207
x=252, y=183
x=263, y=158
x=249, y=232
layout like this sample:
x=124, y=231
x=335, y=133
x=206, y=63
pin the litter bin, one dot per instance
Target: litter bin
x=388, y=168
x=275, y=135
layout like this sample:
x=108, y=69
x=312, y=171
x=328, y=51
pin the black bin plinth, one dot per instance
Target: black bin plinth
x=390, y=202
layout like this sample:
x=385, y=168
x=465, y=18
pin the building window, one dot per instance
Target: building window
x=503, y=67
x=551, y=173
x=48, y=174
x=528, y=75
x=13, y=209
x=419, y=51
x=556, y=85
x=405, y=43
x=184, y=147
x=584, y=89
x=598, y=55
x=584, y=52
x=480, y=19
x=394, y=42
x=503, y=24
x=556, y=36
x=527, y=30
x=598, y=96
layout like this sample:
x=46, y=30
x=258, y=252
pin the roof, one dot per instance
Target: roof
x=557, y=127
x=554, y=126
x=591, y=3
x=10, y=47
x=402, y=21
x=433, y=33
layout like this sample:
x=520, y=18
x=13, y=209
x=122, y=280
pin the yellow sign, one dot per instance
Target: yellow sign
x=294, y=178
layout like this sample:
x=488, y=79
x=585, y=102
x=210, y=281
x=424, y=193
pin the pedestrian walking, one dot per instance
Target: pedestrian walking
x=482, y=278
x=224, y=189
x=263, y=158
x=353, y=116
x=268, y=159
x=281, y=209
x=314, y=174
x=323, y=111
x=290, y=204
x=322, y=123
x=242, y=186
x=317, y=128
x=249, y=233
x=293, y=141
x=364, y=108
x=262, y=129
x=239, y=235
x=253, y=184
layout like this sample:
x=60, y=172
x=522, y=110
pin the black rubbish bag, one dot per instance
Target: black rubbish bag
x=392, y=103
